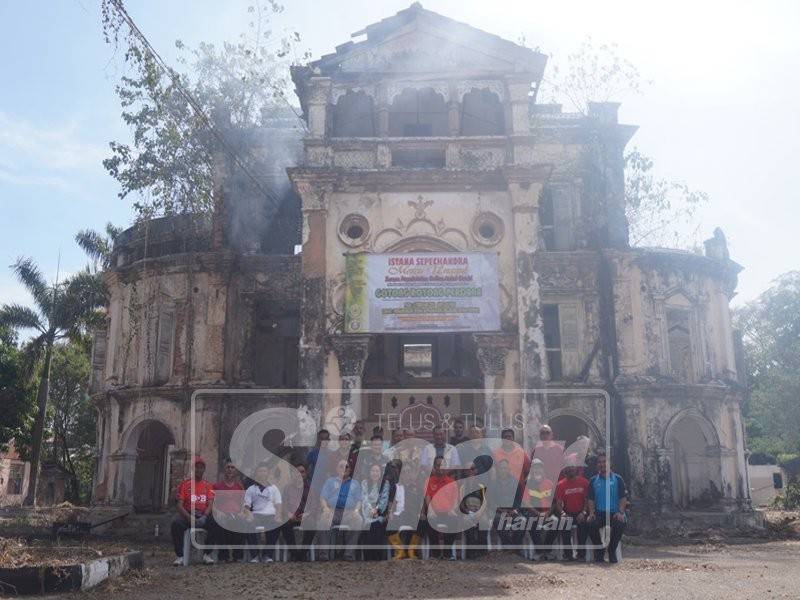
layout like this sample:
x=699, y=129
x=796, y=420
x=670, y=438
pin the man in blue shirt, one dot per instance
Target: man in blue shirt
x=607, y=500
x=340, y=500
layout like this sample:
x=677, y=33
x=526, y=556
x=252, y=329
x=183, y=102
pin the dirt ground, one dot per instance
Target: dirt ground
x=730, y=570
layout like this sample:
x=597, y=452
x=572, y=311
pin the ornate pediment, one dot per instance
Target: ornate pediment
x=416, y=40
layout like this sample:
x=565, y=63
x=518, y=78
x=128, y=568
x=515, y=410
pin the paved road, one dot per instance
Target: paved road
x=730, y=571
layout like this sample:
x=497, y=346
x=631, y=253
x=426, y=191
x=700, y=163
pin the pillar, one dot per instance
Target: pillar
x=351, y=354
x=524, y=186
x=492, y=349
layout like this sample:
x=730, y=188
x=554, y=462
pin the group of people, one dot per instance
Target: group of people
x=459, y=481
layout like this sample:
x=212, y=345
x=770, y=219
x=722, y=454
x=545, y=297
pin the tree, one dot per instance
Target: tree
x=71, y=418
x=62, y=310
x=16, y=391
x=98, y=246
x=178, y=120
x=661, y=212
x=770, y=327
x=591, y=74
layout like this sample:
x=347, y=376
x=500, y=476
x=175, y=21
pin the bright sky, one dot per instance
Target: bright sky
x=723, y=112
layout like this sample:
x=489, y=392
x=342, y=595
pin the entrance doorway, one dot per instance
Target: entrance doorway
x=150, y=477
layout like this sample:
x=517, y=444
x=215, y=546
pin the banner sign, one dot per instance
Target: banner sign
x=421, y=293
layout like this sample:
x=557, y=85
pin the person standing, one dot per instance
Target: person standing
x=440, y=449
x=537, y=504
x=607, y=502
x=194, y=502
x=441, y=504
x=228, y=505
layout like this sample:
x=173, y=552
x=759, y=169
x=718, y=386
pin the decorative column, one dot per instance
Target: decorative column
x=124, y=466
x=318, y=106
x=351, y=354
x=524, y=187
x=492, y=349
x=314, y=190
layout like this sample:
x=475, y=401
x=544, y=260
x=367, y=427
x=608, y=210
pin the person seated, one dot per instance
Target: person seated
x=374, y=505
x=411, y=527
x=297, y=495
x=506, y=485
x=537, y=505
x=441, y=510
x=473, y=507
x=194, y=501
x=229, y=505
x=571, y=497
x=607, y=501
x=262, y=503
x=340, y=501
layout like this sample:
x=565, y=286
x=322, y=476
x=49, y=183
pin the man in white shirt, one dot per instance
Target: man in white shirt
x=441, y=448
x=262, y=503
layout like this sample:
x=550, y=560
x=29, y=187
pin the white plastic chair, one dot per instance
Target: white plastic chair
x=187, y=543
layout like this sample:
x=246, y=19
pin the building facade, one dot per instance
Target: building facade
x=423, y=137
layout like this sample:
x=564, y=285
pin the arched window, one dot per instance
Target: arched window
x=418, y=113
x=482, y=113
x=353, y=116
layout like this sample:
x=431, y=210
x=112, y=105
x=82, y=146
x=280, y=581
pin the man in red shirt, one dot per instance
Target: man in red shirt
x=571, y=494
x=194, y=501
x=441, y=502
x=228, y=503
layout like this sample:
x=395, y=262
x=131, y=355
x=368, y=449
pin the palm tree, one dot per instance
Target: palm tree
x=62, y=310
x=98, y=246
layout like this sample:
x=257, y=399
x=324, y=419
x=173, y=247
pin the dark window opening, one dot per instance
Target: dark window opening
x=432, y=158
x=547, y=221
x=552, y=340
x=482, y=113
x=418, y=113
x=353, y=116
x=680, y=344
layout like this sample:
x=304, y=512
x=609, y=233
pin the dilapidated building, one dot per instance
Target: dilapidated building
x=423, y=137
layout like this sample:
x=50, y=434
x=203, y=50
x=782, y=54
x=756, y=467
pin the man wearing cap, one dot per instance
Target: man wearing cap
x=571, y=495
x=194, y=500
x=536, y=505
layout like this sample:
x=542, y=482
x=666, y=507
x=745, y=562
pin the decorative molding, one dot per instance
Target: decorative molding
x=494, y=86
x=351, y=353
x=492, y=349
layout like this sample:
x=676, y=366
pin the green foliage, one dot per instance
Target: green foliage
x=71, y=418
x=63, y=310
x=17, y=394
x=98, y=246
x=660, y=212
x=790, y=498
x=770, y=327
x=168, y=166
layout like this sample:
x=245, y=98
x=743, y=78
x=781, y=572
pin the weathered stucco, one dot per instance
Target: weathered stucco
x=187, y=313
